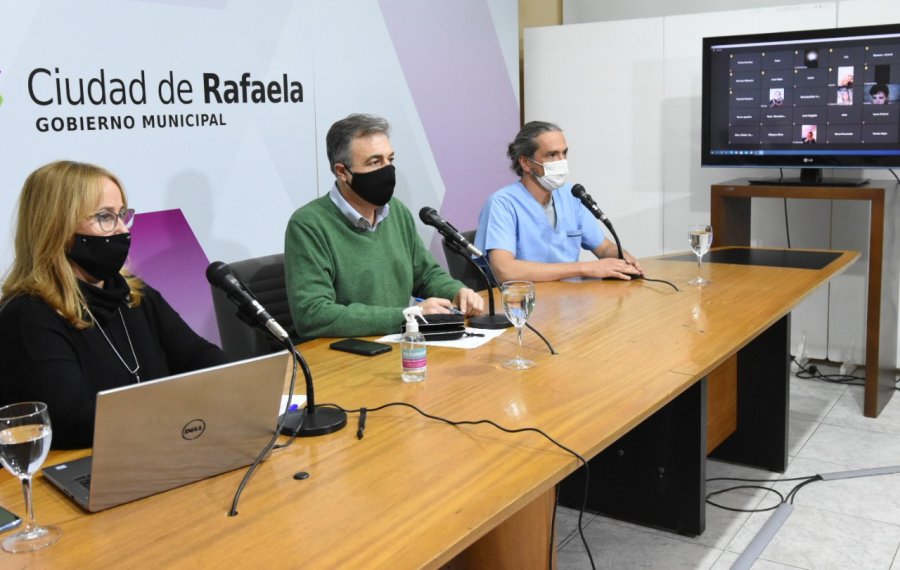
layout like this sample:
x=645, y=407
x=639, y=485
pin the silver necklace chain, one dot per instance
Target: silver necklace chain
x=137, y=365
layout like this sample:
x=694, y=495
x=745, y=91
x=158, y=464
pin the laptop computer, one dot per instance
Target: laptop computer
x=158, y=435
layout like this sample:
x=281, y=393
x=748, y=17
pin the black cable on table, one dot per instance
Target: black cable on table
x=584, y=462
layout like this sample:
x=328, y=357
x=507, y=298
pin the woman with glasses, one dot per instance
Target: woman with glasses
x=74, y=322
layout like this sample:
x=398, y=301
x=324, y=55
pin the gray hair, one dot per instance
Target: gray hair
x=342, y=133
x=526, y=144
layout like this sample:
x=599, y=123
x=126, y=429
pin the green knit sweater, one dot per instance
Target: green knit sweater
x=343, y=281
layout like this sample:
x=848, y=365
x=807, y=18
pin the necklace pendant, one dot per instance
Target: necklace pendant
x=137, y=365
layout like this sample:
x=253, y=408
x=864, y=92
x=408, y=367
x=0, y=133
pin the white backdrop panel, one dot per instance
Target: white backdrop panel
x=238, y=183
x=234, y=179
x=602, y=84
x=349, y=81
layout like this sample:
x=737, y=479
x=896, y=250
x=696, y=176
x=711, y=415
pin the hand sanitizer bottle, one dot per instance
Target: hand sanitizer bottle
x=413, y=355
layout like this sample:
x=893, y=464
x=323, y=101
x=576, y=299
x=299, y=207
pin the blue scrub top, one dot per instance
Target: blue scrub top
x=513, y=220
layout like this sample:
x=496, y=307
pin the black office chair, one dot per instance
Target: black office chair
x=461, y=269
x=264, y=276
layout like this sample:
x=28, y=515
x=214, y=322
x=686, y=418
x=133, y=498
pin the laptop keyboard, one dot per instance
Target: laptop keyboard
x=84, y=480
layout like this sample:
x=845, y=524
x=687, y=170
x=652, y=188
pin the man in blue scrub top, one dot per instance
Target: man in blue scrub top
x=534, y=229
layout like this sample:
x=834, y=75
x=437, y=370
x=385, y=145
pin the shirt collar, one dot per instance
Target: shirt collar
x=356, y=219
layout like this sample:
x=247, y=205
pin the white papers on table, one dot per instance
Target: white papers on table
x=464, y=342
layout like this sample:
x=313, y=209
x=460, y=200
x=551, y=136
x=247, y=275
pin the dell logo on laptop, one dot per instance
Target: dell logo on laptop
x=193, y=429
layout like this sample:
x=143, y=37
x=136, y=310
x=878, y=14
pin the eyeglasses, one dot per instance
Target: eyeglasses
x=109, y=220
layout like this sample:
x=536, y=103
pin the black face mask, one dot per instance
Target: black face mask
x=101, y=256
x=375, y=187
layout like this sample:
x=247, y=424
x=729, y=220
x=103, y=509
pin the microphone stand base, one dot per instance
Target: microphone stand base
x=320, y=421
x=490, y=322
x=292, y=421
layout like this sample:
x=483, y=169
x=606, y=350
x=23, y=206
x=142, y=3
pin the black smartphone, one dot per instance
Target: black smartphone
x=8, y=520
x=359, y=346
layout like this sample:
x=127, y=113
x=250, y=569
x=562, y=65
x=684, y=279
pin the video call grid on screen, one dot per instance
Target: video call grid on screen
x=835, y=92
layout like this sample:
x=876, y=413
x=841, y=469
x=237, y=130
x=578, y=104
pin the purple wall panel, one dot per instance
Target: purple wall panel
x=166, y=254
x=453, y=64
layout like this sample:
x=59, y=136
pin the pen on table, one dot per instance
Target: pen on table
x=453, y=309
x=362, y=423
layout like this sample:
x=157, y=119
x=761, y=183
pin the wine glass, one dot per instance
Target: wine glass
x=518, y=303
x=700, y=239
x=25, y=436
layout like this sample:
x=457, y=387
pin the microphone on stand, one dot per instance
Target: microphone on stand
x=430, y=217
x=311, y=421
x=460, y=245
x=490, y=320
x=249, y=310
x=579, y=192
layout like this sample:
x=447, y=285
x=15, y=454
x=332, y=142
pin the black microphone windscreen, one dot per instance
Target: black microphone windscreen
x=216, y=271
x=428, y=215
x=578, y=191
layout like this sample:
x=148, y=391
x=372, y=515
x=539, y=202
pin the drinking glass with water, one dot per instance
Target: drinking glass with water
x=25, y=436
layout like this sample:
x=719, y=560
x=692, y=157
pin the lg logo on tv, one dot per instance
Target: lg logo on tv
x=806, y=160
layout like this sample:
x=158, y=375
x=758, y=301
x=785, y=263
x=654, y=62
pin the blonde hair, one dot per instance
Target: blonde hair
x=54, y=199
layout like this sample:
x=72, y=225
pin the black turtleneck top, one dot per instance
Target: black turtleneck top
x=45, y=358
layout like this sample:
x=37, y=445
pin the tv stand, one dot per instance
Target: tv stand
x=826, y=183
x=730, y=218
x=810, y=177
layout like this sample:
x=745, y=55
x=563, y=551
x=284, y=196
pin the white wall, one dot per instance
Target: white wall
x=581, y=11
x=687, y=184
x=607, y=104
x=585, y=69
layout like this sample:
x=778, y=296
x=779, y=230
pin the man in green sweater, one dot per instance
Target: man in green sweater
x=353, y=258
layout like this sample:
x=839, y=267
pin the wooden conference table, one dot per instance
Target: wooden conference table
x=419, y=493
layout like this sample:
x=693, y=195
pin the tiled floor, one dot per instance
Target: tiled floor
x=844, y=524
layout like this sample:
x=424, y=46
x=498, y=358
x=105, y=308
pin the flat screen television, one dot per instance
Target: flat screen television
x=808, y=99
